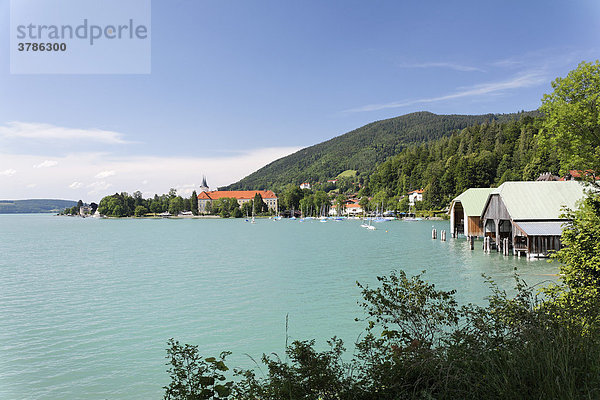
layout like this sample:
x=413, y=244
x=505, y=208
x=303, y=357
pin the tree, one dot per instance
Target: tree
x=259, y=205
x=291, y=197
x=195, y=377
x=572, y=123
x=137, y=196
x=364, y=204
x=140, y=211
x=580, y=258
x=320, y=201
x=340, y=204
x=176, y=205
x=403, y=204
x=194, y=203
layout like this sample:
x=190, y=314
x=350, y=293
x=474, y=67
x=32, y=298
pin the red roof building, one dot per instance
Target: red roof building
x=242, y=196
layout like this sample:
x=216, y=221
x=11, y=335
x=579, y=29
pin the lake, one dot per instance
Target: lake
x=87, y=305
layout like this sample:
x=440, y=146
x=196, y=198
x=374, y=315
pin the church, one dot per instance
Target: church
x=207, y=196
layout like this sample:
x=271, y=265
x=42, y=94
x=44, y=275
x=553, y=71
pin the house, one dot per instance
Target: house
x=529, y=214
x=85, y=210
x=576, y=175
x=332, y=181
x=242, y=196
x=465, y=212
x=353, y=209
x=414, y=196
x=305, y=185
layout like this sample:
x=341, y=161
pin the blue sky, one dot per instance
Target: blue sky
x=237, y=84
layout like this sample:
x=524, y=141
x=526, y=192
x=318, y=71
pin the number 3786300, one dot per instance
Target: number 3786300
x=42, y=46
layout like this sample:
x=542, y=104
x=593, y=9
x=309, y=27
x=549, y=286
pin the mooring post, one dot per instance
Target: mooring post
x=443, y=236
x=471, y=242
x=434, y=233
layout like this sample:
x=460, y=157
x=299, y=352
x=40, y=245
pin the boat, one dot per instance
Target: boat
x=369, y=226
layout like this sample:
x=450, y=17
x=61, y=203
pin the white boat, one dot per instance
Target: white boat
x=369, y=226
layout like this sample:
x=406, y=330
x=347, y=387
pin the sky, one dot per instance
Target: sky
x=234, y=85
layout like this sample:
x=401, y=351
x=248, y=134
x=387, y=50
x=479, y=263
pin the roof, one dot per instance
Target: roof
x=473, y=200
x=539, y=228
x=538, y=200
x=419, y=191
x=352, y=205
x=236, y=194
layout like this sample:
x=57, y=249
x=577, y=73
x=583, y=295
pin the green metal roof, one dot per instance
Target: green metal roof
x=539, y=200
x=473, y=200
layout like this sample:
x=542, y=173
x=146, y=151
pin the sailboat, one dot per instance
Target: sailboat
x=371, y=227
x=368, y=226
x=253, y=221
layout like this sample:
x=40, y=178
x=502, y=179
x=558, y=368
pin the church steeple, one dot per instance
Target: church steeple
x=204, y=186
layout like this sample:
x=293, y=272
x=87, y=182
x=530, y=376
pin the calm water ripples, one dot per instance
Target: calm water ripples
x=86, y=305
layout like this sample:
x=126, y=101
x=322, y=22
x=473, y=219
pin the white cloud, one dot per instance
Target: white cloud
x=105, y=174
x=98, y=187
x=46, y=164
x=29, y=130
x=448, y=65
x=31, y=185
x=70, y=178
x=8, y=172
x=528, y=79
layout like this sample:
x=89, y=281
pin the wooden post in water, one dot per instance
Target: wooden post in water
x=443, y=236
x=434, y=233
x=487, y=244
x=471, y=242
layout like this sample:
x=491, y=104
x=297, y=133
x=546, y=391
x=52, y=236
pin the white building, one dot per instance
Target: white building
x=414, y=196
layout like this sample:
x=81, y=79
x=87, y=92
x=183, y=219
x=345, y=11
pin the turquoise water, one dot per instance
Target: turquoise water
x=87, y=305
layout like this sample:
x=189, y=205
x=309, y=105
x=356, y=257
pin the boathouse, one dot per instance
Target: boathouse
x=528, y=215
x=465, y=212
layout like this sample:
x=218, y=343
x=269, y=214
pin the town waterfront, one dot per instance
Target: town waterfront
x=87, y=305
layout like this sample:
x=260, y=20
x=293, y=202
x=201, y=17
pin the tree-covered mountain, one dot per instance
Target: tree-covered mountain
x=34, y=206
x=362, y=149
x=481, y=155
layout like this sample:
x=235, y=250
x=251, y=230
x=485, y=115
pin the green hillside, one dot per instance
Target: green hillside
x=361, y=149
x=34, y=206
x=481, y=155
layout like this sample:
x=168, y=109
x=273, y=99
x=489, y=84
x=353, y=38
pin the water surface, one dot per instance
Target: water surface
x=87, y=305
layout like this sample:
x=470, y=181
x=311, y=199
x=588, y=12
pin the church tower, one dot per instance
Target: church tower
x=204, y=186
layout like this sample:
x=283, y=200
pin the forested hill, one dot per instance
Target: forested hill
x=361, y=149
x=479, y=156
x=34, y=206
